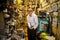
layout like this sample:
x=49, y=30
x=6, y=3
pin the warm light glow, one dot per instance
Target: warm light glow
x=19, y=1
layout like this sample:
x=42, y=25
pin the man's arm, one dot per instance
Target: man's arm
x=36, y=22
x=28, y=22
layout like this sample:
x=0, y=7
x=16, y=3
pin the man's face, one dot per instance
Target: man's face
x=30, y=12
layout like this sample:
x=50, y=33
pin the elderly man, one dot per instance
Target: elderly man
x=32, y=20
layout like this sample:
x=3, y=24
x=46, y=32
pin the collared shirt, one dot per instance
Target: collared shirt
x=32, y=21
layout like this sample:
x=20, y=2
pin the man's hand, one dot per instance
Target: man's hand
x=31, y=27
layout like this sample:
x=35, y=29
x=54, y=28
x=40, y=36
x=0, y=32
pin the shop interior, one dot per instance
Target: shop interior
x=13, y=22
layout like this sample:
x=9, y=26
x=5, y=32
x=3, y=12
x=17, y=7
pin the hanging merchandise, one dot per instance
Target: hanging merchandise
x=42, y=20
x=59, y=5
x=19, y=1
x=6, y=15
x=55, y=15
x=59, y=12
x=20, y=33
x=55, y=7
x=42, y=26
x=14, y=1
x=51, y=1
x=55, y=22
